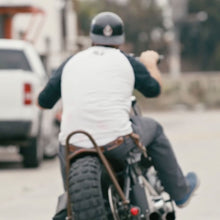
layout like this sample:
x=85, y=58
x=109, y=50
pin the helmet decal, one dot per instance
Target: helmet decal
x=107, y=31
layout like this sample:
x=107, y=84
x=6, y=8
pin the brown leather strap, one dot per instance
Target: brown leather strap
x=107, y=147
x=116, y=143
x=113, y=144
x=136, y=139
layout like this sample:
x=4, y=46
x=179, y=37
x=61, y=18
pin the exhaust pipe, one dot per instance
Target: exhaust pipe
x=155, y=216
x=170, y=216
x=158, y=216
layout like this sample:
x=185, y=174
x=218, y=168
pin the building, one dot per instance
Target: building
x=50, y=25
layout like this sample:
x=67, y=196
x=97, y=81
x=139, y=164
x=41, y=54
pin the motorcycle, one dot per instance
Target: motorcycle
x=98, y=192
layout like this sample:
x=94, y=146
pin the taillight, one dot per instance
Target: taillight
x=135, y=211
x=28, y=94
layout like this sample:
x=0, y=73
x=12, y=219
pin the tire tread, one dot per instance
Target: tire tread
x=85, y=189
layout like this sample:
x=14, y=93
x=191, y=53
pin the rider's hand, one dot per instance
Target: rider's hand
x=149, y=58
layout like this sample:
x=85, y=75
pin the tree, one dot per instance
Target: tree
x=141, y=17
x=200, y=40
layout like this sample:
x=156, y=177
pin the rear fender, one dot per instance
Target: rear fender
x=81, y=153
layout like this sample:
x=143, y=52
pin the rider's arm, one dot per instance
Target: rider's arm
x=145, y=83
x=52, y=91
x=149, y=59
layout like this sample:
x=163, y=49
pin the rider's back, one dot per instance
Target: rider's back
x=96, y=87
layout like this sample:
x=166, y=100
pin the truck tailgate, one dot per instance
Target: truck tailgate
x=15, y=87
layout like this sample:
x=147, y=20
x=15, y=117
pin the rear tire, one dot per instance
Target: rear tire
x=85, y=189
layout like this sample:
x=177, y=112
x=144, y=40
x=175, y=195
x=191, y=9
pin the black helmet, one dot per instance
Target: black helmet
x=107, y=28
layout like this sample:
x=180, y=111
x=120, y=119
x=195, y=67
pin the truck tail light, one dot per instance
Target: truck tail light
x=28, y=94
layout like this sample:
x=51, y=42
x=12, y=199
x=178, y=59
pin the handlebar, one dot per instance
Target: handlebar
x=161, y=57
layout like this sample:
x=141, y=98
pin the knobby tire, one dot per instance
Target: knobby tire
x=85, y=189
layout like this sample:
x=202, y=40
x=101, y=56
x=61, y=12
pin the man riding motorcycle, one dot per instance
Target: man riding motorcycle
x=96, y=86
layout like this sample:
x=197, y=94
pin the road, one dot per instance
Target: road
x=32, y=193
x=196, y=141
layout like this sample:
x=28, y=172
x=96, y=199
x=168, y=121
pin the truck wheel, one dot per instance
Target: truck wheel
x=51, y=149
x=33, y=154
x=85, y=189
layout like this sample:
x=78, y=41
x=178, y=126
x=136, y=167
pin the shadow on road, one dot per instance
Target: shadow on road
x=7, y=165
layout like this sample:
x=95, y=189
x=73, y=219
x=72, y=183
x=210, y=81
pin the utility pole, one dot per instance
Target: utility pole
x=174, y=12
x=63, y=24
x=76, y=10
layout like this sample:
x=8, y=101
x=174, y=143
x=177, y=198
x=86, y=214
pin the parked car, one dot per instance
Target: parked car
x=22, y=123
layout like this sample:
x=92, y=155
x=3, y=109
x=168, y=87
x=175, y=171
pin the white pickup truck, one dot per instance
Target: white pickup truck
x=22, y=76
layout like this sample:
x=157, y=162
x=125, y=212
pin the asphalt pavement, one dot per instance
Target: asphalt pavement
x=31, y=194
x=195, y=137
